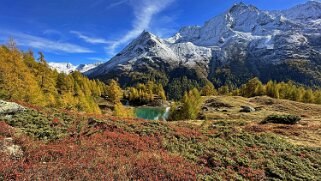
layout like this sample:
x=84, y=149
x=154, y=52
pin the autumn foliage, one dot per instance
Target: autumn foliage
x=94, y=148
x=24, y=78
x=100, y=147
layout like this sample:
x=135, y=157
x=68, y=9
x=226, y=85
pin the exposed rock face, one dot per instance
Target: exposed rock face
x=247, y=109
x=10, y=107
x=7, y=146
x=237, y=45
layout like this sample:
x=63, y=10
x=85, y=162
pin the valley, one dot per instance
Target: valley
x=237, y=98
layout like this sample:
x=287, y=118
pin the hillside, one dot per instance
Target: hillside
x=241, y=43
x=26, y=78
x=229, y=145
x=305, y=133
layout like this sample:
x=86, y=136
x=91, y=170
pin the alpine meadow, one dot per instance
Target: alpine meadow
x=124, y=90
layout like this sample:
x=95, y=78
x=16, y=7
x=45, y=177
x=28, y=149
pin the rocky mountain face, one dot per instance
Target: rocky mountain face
x=68, y=67
x=233, y=47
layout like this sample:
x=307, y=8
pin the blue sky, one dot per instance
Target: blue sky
x=87, y=31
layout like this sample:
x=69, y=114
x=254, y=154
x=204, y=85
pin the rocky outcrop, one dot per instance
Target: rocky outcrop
x=10, y=107
x=247, y=109
x=8, y=147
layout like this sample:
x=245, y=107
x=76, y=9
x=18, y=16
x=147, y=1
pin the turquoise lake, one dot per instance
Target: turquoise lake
x=152, y=113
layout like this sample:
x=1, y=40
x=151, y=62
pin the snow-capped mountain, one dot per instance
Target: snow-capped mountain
x=241, y=43
x=145, y=51
x=68, y=67
x=309, y=11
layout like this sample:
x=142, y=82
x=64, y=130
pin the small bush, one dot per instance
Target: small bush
x=282, y=119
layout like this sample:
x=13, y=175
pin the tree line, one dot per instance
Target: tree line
x=279, y=90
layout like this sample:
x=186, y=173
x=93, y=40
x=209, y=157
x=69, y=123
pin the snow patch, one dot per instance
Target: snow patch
x=67, y=68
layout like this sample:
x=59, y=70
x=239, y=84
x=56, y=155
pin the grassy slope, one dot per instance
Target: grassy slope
x=307, y=132
x=229, y=145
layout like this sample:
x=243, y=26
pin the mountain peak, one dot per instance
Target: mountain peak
x=146, y=34
x=308, y=10
x=145, y=38
x=240, y=4
x=310, y=4
x=242, y=7
x=314, y=2
x=243, y=34
x=67, y=68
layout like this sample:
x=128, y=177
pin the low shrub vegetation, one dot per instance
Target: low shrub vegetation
x=66, y=146
x=236, y=155
x=43, y=126
x=282, y=119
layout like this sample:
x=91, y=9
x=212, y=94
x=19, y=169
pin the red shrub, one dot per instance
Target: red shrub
x=5, y=130
x=55, y=121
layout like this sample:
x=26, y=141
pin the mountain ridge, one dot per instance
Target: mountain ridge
x=67, y=68
x=241, y=43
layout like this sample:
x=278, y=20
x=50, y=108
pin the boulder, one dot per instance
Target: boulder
x=205, y=109
x=10, y=107
x=7, y=146
x=247, y=109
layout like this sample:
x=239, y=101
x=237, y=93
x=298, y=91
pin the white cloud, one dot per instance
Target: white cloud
x=144, y=11
x=92, y=40
x=43, y=44
x=112, y=5
x=108, y=5
x=99, y=59
x=51, y=32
